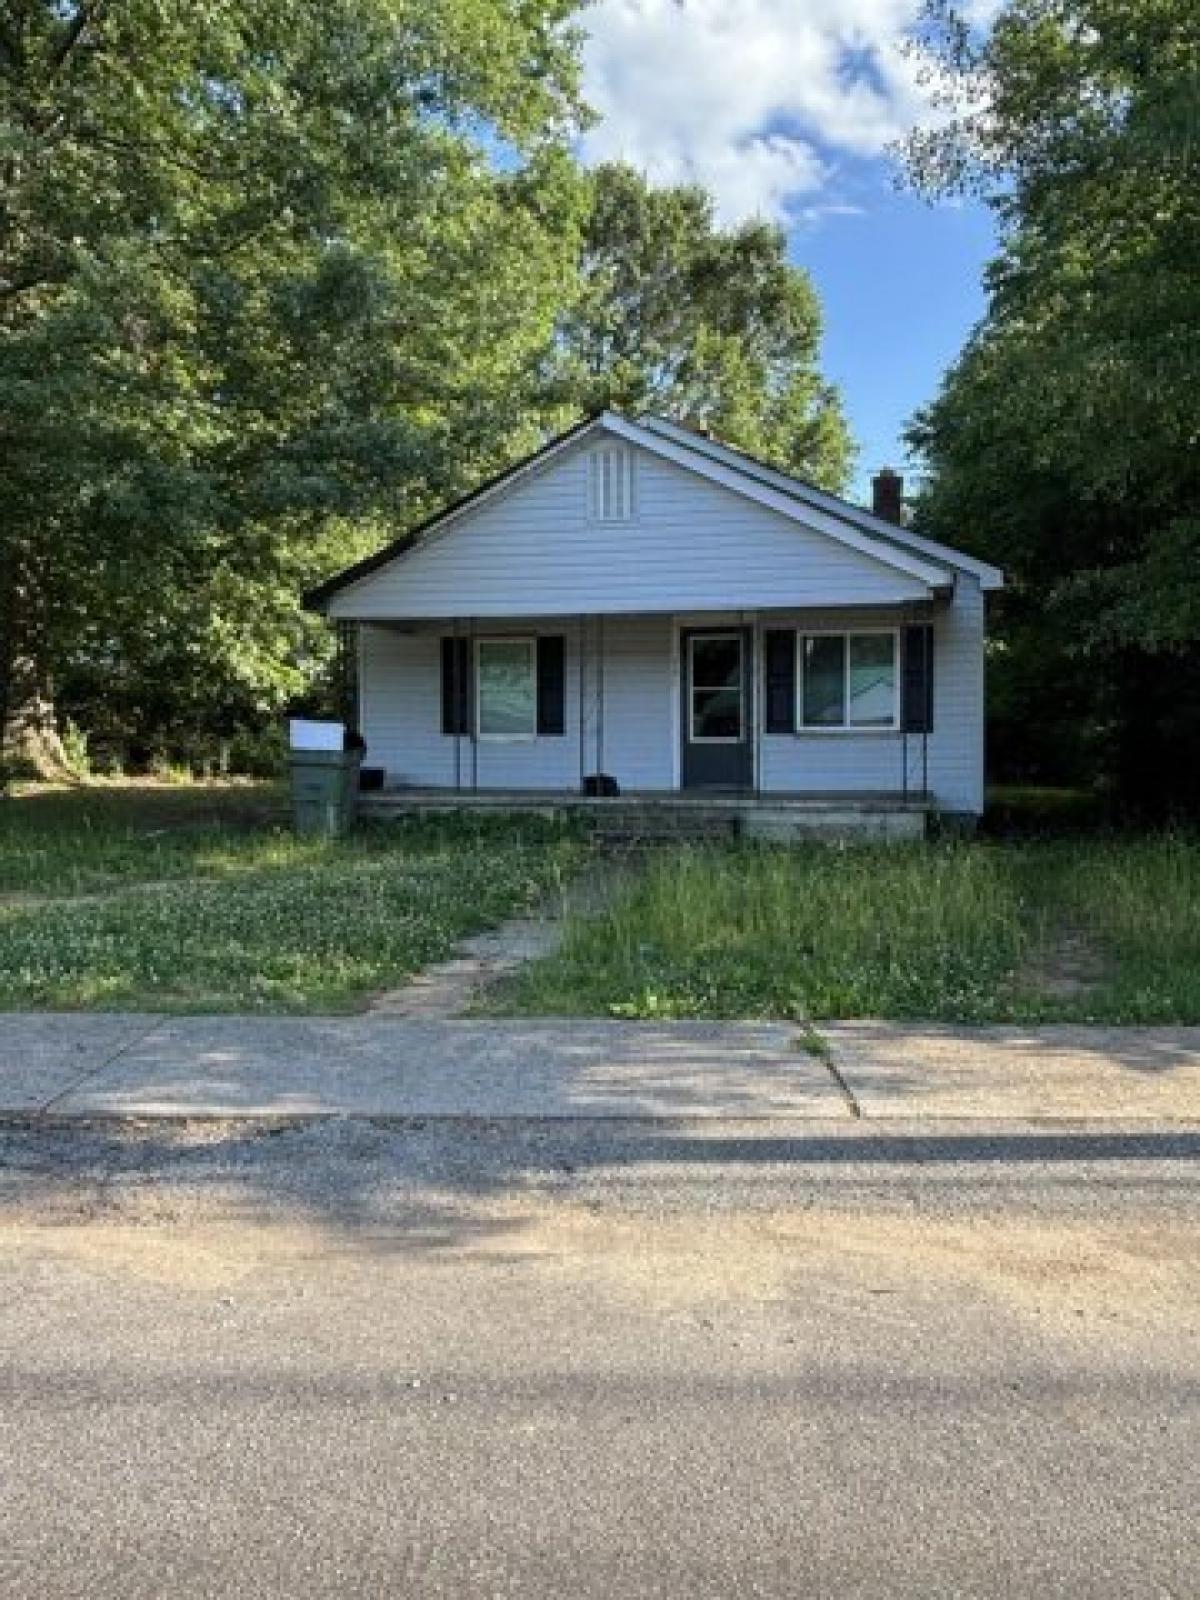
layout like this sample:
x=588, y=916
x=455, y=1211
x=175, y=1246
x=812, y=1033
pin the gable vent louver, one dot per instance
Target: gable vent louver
x=610, y=484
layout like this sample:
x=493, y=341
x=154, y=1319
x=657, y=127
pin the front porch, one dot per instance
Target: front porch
x=781, y=721
x=649, y=814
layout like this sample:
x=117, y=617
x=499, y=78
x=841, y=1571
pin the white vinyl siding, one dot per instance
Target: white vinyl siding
x=636, y=735
x=400, y=711
x=813, y=760
x=691, y=545
x=642, y=546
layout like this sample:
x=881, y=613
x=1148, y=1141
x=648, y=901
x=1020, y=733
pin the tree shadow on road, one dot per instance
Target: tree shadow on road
x=432, y=1185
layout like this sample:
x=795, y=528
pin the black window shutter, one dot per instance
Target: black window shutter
x=779, y=646
x=917, y=679
x=456, y=686
x=551, y=683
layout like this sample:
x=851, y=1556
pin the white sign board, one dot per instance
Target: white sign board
x=316, y=735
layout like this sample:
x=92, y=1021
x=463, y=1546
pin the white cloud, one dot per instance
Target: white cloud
x=756, y=99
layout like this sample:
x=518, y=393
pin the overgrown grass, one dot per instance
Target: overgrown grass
x=961, y=933
x=1138, y=901
x=56, y=841
x=201, y=898
x=134, y=899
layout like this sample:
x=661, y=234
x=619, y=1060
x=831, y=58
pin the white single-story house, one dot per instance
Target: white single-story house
x=640, y=608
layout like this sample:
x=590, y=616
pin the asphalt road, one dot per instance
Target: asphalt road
x=579, y=1360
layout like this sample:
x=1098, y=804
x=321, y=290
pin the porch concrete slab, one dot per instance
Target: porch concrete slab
x=381, y=1066
x=42, y=1055
x=1002, y=1072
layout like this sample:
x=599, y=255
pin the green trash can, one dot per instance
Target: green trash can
x=325, y=790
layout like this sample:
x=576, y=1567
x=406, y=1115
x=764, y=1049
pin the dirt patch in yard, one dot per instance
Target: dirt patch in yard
x=1069, y=966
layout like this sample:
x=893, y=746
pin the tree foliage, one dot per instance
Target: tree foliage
x=277, y=278
x=261, y=285
x=1064, y=441
x=710, y=326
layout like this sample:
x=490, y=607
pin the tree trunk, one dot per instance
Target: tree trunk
x=30, y=742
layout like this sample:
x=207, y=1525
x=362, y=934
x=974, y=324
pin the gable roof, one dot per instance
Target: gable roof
x=990, y=577
x=316, y=597
x=931, y=563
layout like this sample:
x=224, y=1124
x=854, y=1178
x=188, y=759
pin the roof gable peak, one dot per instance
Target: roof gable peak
x=811, y=495
x=710, y=459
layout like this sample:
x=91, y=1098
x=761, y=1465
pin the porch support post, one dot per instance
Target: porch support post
x=456, y=700
x=471, y=703
x=600, y=694
x=903, y=719
x=927, y=653
x=756, y=697
x=582, y=631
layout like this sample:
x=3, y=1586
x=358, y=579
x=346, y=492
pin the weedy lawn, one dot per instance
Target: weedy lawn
x=202, y=899
x=1104, y=929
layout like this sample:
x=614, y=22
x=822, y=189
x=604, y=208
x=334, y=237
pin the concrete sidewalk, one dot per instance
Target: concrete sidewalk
x=88, y=1065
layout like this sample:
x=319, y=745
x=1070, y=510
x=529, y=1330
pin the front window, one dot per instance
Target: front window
x=848, y=680
x=506, y=687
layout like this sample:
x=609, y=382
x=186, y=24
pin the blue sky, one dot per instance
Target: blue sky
x=789, y=109
x=901, y=287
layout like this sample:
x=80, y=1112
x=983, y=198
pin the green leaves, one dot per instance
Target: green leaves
x=1064, y=441
x=675, y=315
x=264, y=283
x=278, y=279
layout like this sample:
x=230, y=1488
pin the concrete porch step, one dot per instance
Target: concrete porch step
x=683, y=817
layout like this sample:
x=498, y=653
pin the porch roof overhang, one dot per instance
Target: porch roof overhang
x=686, y=611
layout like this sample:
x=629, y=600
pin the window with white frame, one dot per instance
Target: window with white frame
x=849, y=680
x=715, y=678
x=506, y=688
x=610, y=483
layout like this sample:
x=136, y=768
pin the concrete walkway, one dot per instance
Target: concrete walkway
x=87, y=1065
x=451, y=988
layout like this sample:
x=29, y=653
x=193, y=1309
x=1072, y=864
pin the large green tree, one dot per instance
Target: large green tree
x=272, y=274
x=1064, y=442
x=708, y=325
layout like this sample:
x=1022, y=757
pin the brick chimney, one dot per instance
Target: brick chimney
x=887, y=495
